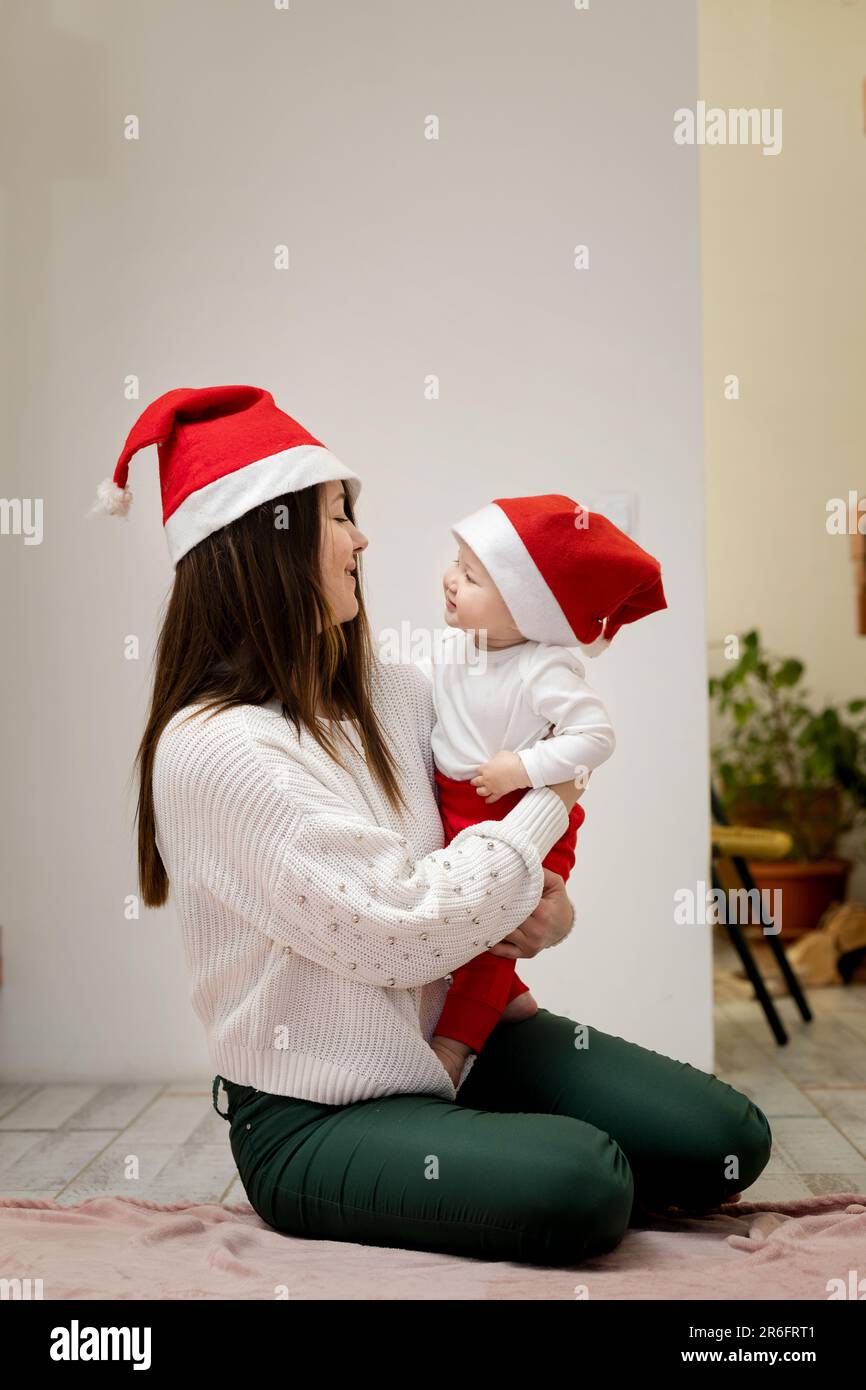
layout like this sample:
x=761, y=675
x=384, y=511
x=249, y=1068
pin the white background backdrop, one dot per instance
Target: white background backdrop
x=408, y=257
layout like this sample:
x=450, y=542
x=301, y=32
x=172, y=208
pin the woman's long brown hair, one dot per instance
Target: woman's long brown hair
x=247, y=620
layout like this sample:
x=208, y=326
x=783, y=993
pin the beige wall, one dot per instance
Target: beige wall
x=407, y=257
x=783, y=249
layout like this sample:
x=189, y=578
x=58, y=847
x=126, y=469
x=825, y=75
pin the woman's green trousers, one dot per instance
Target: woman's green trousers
x=559, y=1136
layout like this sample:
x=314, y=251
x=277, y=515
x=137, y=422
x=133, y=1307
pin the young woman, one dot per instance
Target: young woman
x=286, y=797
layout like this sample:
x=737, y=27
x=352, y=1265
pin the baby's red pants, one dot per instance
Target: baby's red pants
x=482, y=987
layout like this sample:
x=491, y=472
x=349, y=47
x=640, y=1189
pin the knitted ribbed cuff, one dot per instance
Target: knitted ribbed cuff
x=539, y=816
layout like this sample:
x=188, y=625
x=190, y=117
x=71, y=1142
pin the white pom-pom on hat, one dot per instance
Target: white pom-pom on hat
x=596, y=647
x=111, y=500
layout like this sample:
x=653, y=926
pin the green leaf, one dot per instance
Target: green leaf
x=788, y=673
x=743, y=710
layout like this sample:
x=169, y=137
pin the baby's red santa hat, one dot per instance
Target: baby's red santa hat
x=222, y=451
x=568, y=575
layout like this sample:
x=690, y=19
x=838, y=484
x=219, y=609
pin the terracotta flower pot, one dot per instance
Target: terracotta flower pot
x=812, y=814
x=807, y=890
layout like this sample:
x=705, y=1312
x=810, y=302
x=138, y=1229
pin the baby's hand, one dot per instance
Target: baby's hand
x=500, y=774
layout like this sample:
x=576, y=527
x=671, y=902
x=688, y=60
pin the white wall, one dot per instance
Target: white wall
x=408, y=257
x=784, y=287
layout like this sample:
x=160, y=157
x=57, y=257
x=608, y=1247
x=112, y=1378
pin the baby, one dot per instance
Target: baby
x=534, y=578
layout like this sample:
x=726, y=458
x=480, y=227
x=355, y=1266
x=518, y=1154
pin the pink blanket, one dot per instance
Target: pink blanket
x=123, y=1248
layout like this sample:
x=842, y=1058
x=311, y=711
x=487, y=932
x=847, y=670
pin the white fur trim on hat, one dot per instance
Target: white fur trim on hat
x=503, y=554
x=227, y=498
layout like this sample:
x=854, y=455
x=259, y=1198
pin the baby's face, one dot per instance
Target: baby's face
x=472, y=600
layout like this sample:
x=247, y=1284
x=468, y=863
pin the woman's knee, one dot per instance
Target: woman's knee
x=580, y=1204
x=734, y=1137
x=752, y=1140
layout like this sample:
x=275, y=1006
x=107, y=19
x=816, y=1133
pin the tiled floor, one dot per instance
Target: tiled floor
x=166, y=1143
x=812, y=1090
x=158, y=1143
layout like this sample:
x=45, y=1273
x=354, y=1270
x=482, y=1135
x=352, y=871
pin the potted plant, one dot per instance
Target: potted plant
x=781, y=764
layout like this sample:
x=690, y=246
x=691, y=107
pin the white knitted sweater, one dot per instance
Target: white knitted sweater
x=319, y=925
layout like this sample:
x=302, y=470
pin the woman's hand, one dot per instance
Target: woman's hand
x=551, y=922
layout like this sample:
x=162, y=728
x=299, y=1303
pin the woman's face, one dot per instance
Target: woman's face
x=341, y=542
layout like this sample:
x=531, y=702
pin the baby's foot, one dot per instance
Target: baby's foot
x=650, y=1212
x=451, y=1054
x=521, y=1006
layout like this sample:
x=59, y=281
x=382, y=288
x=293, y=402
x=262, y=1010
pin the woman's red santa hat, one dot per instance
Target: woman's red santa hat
x=222, y=451
x=569, y=576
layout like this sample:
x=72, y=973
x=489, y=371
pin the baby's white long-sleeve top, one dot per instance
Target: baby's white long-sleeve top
x=532, y=698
